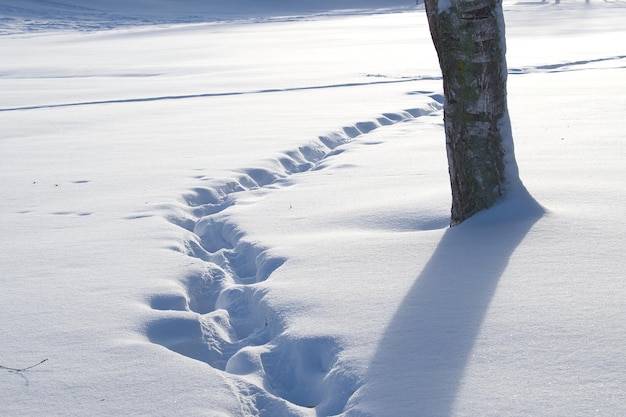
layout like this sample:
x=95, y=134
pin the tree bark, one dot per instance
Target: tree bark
x=469, y=38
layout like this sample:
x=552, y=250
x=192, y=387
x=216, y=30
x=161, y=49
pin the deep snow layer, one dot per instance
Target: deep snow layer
x=250, y=219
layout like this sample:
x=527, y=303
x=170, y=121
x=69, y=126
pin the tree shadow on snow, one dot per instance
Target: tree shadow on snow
x=419, y=364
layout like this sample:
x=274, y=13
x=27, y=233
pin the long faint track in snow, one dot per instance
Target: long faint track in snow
x=559, y=67
x=571, y=65
x=207, y=95
x=223, y=319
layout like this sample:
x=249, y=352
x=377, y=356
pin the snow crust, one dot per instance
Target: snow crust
x=250, y=218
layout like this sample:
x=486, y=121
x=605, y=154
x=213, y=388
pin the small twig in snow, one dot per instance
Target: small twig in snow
x=22, y=369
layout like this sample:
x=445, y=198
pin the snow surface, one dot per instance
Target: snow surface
x=247, y=215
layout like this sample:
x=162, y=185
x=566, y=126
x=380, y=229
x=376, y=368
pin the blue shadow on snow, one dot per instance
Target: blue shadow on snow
x=419, y=364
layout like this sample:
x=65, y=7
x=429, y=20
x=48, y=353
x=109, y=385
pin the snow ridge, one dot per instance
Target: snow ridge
x=224, y=318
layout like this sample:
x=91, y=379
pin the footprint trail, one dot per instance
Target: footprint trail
x=221, y=318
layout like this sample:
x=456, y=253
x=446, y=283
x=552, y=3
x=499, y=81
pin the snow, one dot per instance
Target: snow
x=245, y=213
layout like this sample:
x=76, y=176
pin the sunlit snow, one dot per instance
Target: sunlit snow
x=241, y=209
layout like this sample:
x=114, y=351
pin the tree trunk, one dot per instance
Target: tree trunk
x=469, y=38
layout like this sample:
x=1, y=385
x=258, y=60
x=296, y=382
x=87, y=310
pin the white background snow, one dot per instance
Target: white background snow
x=240, y=209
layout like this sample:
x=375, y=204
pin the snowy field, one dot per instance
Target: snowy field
x=243, y=211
